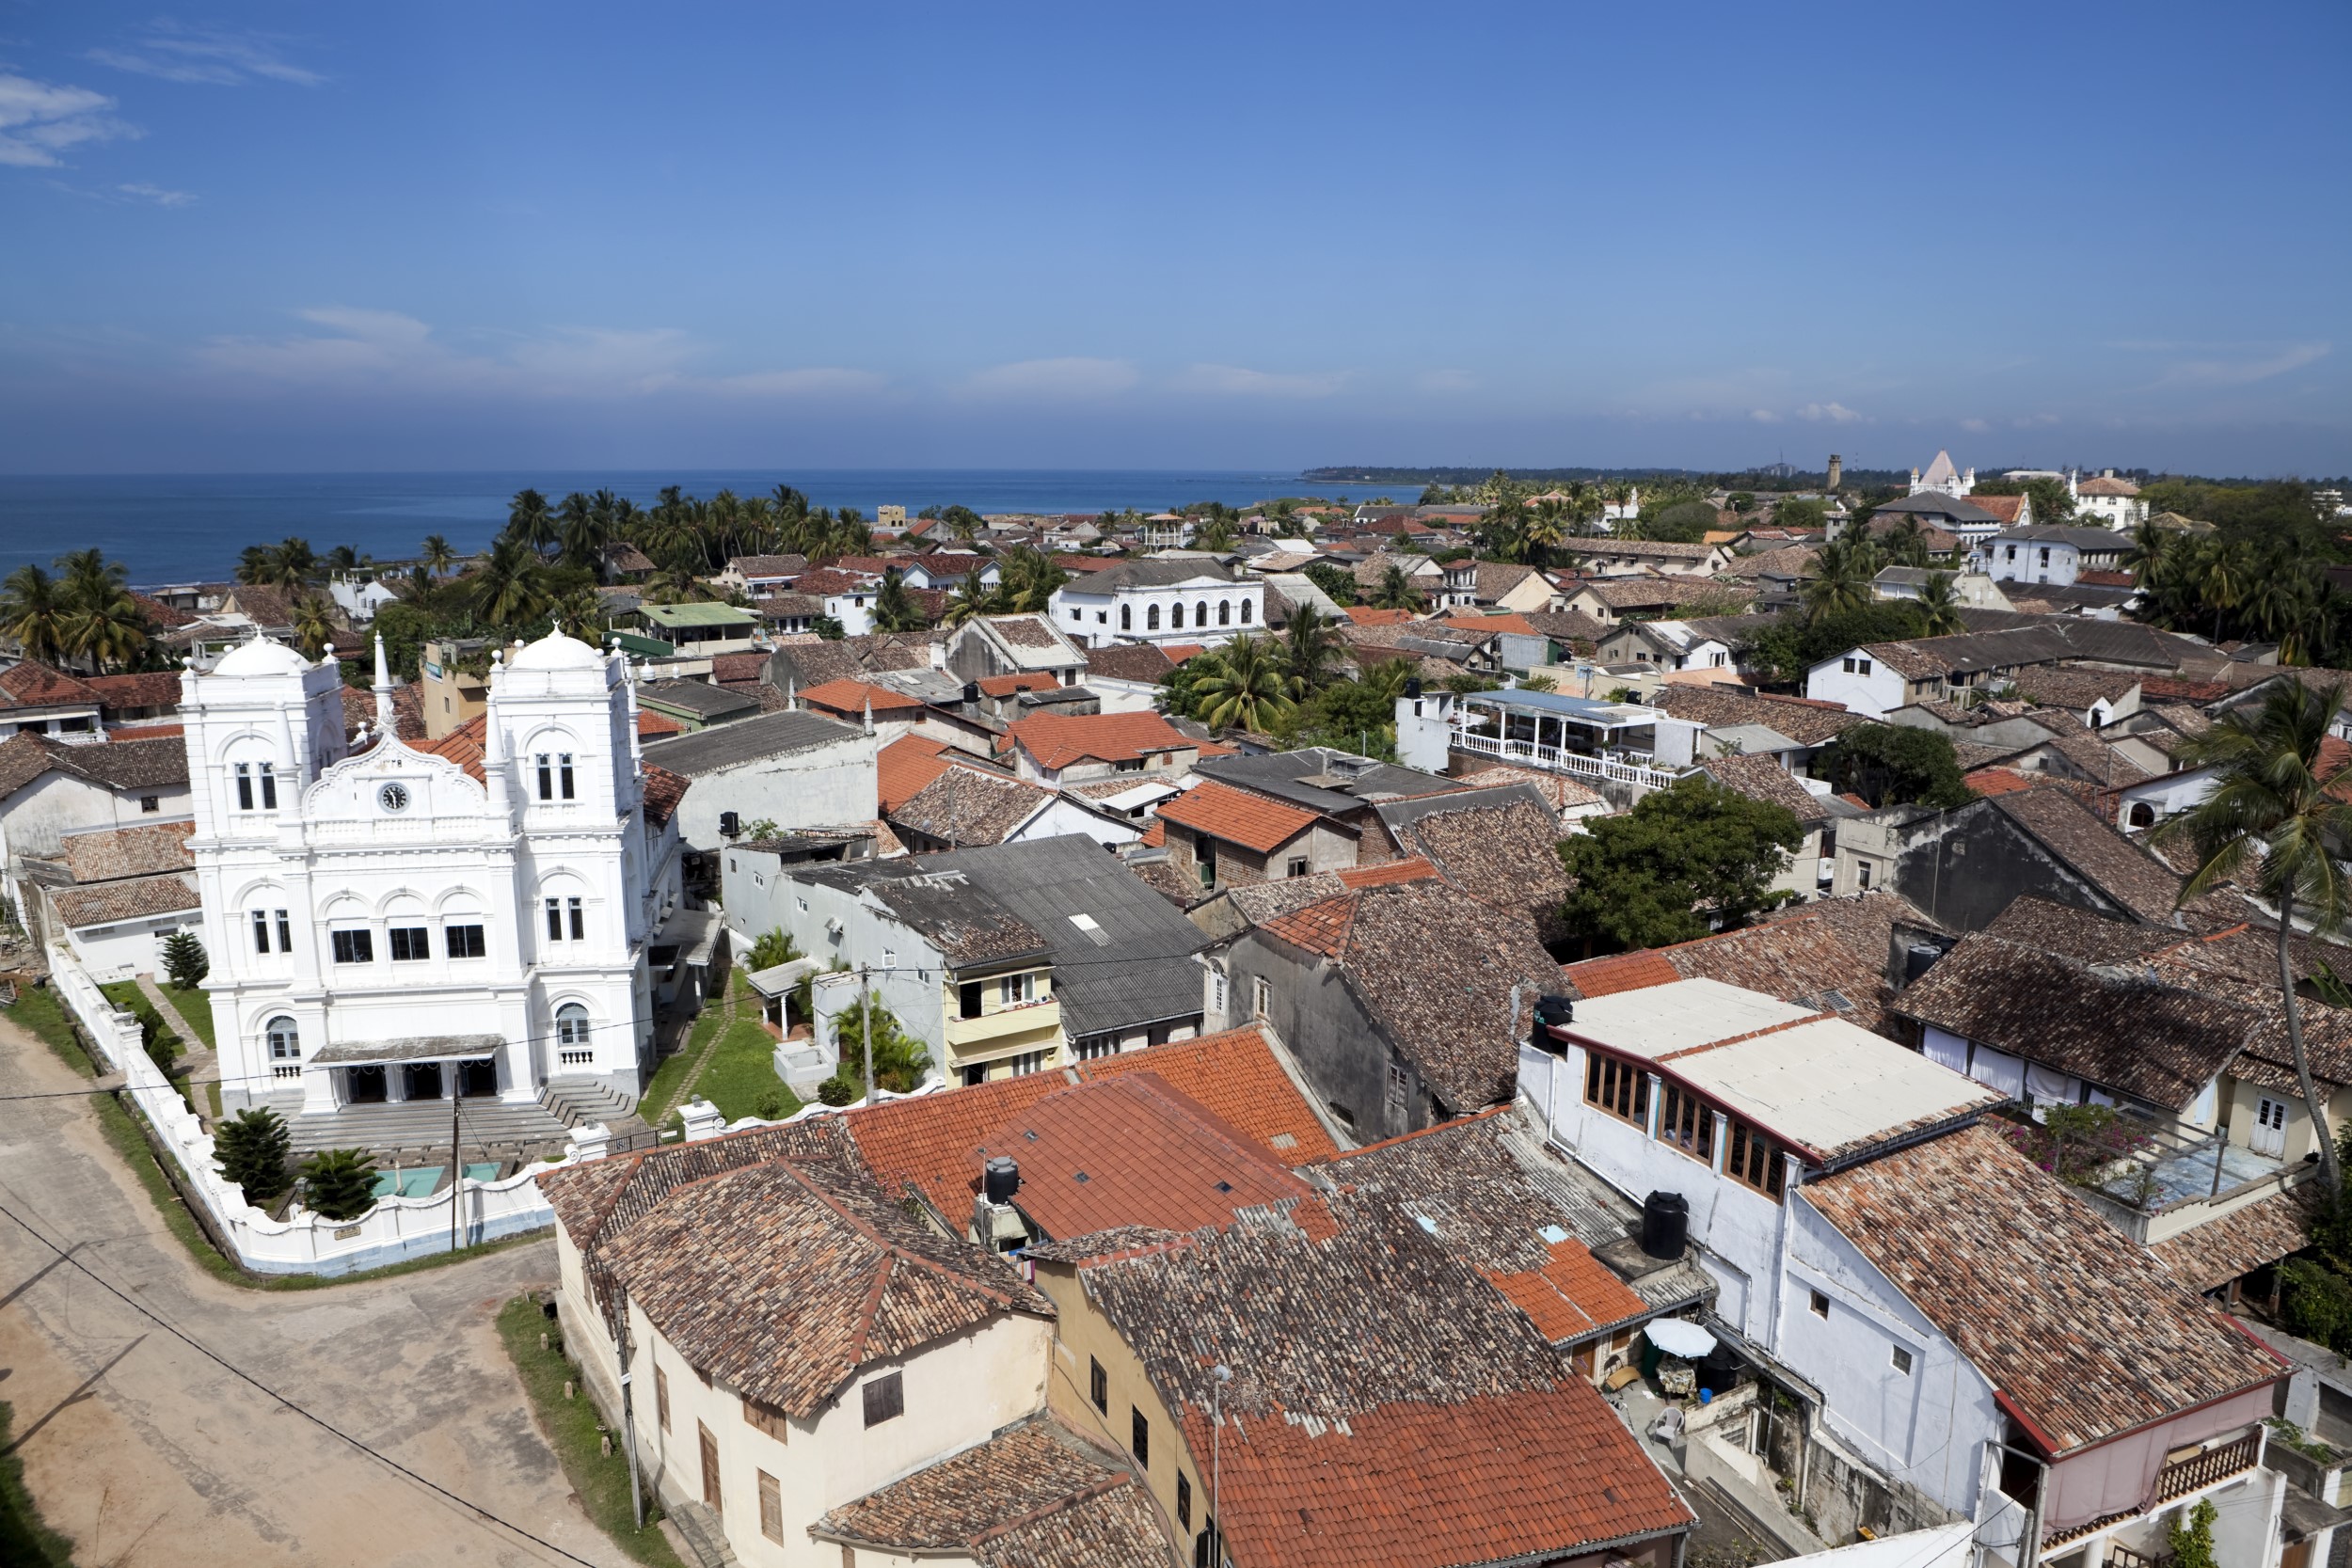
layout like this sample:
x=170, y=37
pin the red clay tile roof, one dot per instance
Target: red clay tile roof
x=968, y=806
x=2083, y=1332
x=33, y=684
x=851, y=698
x=1005, y=686
x=1034, y=1496
x=1622, y=972
x=652, y=726
x=1322, y=926
x=1571, y=1297
x=1516, y=625
x=664, y=791
x=1132, y=1150
x=2218, y=1251
x=133, y=899
x=784, y=1279
x=1364, y=615
x=2007, y=508
x=1055, y=740
x=151, y=688
x=905, y=766
x=932, y=1142
x=2001, y=781
x=1411, y=869
x=1237, y=816
x=141, y=850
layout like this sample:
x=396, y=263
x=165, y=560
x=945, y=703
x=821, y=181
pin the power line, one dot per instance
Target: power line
x=66, y=1256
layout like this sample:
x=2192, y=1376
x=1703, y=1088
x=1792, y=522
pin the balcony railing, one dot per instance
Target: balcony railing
x=1636, y=770
x=2201, y=1470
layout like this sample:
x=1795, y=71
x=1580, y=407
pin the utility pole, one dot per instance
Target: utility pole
x=628, y=1408
x=456, y=1171
x=866, y=1028
x=1218, y=1377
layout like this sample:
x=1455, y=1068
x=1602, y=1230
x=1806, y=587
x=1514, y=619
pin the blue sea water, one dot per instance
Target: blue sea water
x=189, y=528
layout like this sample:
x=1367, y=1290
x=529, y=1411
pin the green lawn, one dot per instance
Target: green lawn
x=576, y=1432
x=24, y=1539
x=195, y=1008
x=741, y=1070
x=669, y=1079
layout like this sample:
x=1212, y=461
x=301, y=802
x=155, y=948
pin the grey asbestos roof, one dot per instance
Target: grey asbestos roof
x=1934, y=503
x=1323, y=779
x=725, y=746
x=699, y=698
x=1151, y=574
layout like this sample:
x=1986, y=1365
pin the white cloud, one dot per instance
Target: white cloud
x=1763, y=416
x=1830, y=413
x=1238, y=381
x=1069, y=377
x=40, y=120
x=2241, y=373
x=360, y=348
x=206, y=57
x=1975, y=427
x=157, y=194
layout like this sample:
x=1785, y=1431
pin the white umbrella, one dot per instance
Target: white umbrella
x=1677, y=1338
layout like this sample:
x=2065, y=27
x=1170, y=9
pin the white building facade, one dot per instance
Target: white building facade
x=384, y=926
x=1158, y=601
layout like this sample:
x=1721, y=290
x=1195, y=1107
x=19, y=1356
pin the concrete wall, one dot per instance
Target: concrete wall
x=820, y=787
x=1084, y=1338
x=1964, y=867
x=1343, y=1051
x=1236, y=867
x=958, y=1392
x=1878, y=693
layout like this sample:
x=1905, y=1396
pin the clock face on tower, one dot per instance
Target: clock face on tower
x=392, y=797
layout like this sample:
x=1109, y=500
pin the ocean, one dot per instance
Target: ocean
x=189, y=528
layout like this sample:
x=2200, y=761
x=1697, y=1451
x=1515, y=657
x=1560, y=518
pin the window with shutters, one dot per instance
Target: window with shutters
x=713, y=1499
x=1098, y=1386
x=661, y=1396
x=885, y=1399
x=766, y=1417
x=1755, y=1160
x=1619, y=1088
x=1688, y=1123
x=770, y=1507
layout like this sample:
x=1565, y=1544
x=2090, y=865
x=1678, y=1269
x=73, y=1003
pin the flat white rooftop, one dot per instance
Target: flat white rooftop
x=1827, y=1085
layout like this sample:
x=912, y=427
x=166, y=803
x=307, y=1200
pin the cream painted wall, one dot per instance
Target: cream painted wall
x=1085, y=1336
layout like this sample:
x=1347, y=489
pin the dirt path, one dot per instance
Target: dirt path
x=147, y=1452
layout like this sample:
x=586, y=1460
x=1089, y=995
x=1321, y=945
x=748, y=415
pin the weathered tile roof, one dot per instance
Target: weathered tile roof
x=2084, y=1333
x=964, y=805
x=1501, y=845
x=1623, y=593
x=1763, y=777
x=116, y=764
x=2095, y=760
x=2073, y=686
x=1820, y=955
x=1409, y=870
x=1129, y=661
x=148, y=689
x=766, y=565
x=932, y=1142
x=1439, y=970
x=1131, y=1149
x=2114, y=864
x=1384, y=1406
x=2242, y=1240
x=33, y=684
x=1560, y=792
x=1034, y=1496
x=1802, y=719
x=905, y=766
x=2119, y=1027
x=138, y=851
x=133, y=898
x=784, y=1279
x=1058, y=739
x=664, y=791
x=1029, y=631
x=1237, y=816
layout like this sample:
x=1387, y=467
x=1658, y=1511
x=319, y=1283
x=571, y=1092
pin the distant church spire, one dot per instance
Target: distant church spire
x=385, y=723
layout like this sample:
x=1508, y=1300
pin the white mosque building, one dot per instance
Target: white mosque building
x=388, y=924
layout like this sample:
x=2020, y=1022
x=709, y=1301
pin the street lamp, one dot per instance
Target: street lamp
x=1220, y=1375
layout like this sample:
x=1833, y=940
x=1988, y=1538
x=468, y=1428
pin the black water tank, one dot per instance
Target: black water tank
x=1412, y=686
x=730, y=824
x=971, y=691
x=1000, y=1178
x=1665, y=1224
x=1720, y=1370
x=1919, y=959
x=1555, y=1009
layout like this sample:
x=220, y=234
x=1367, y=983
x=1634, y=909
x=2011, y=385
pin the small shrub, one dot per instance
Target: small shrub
x=2192, y=1544
x=2318, y=1302
x=338, y=1183
x=164, y=1048
x=838, y=1090
x=772, y=948
x=184, y=959
x=252, y=1148
x=770, y=1105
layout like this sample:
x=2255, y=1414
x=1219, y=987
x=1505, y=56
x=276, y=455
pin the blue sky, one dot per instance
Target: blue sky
x=299, y=236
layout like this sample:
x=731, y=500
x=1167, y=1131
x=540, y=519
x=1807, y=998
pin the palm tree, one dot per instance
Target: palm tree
x=971, y=598
x=1939, y=607
x=1848, y=567
x=2221, y=579
x=34, y=614
x=509, y=587
x=1310, y=646
x=1028, y=579
x=1549, y=522
x=676, y=583
x=1243, y=686
x=2152, y=549
x=436, y=555
x=530, y=521
x=894, y=609
x=2278, y=816
x=1396, y=590
x=582, y=530
x=342, y=558
x=313, y=625
x=579, y=613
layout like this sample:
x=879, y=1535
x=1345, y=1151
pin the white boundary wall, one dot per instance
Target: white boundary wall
x=397, y=1229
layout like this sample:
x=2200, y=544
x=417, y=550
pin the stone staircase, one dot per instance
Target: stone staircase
x=699, y=1527
x=488, y=1129
x=575, y=1101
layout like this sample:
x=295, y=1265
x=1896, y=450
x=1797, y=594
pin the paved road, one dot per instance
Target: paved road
x=147, y=1452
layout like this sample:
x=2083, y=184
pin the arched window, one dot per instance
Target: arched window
x=1126, y=617
x=1201, y=614
x=571, y=1034
x=1244, y=613
x=1224, y=611
x=285, y=1043
x=1176, y=616
x=1152, y=618
x=2143, y=814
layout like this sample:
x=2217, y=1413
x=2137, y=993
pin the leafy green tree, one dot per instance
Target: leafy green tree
x=1686, y=860
x=184, y=959
x=583, y=529
x=253, y=1149
x=1800, y=515
x=1894, y=765
x=338, y=1183
x=2051, y=503
x=1742, y=501
x=828, y=628
x=510, y=587
x=1784, y=651
x=898, y=1056
x=1684, y=522
x=963, y=524
x=530, y=521
x=2192, y=1540
x=1027, y=578
x=772, y=948
x=313, y=625
x=1310, y=646
x=894, y=609
x=1846, y=571
x=1242, y=685
x=1336, y=582
x=2273, y=822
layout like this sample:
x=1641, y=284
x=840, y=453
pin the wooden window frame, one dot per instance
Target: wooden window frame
x=661, y=1398
x=714, y=1492
x=885, y=1399
x=1686, y=1115
x=1617, y=1086
x=770, y=1507
x=1748, y=1147
x=762, y=1416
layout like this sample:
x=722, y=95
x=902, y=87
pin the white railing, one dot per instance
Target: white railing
x=304, y=1243
x=1561, y=759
